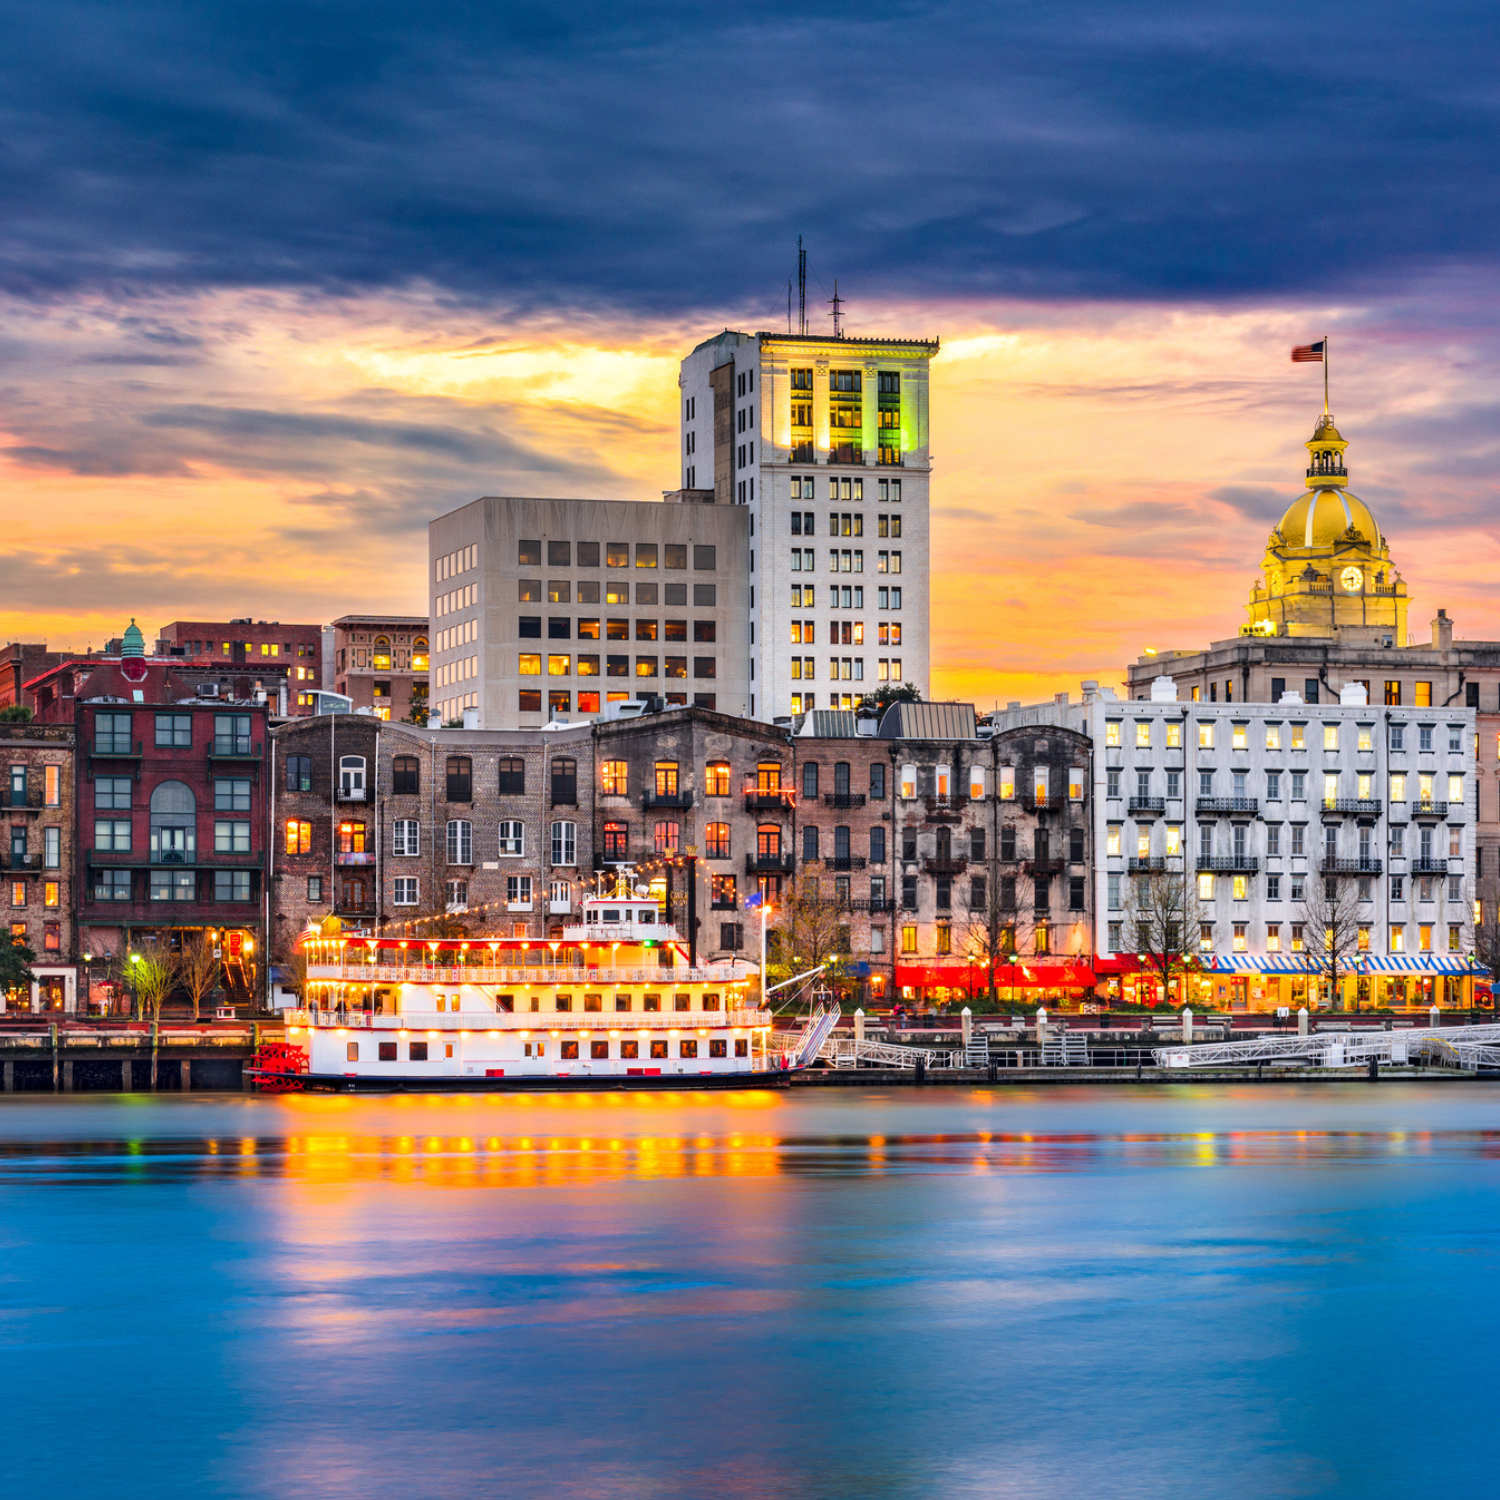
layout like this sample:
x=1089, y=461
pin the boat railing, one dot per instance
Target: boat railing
x=571, y=1020
x=474, y=974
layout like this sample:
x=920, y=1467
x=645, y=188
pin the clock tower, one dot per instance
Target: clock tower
x=1327, y=569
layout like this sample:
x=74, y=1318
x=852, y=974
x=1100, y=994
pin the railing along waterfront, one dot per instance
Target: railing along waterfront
x=474, y=974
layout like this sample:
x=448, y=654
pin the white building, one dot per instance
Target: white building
x=1253, y=802
x=826, y=442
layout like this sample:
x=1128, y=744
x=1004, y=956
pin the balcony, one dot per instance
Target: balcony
x=233, y=749
x=769, y=799
x=873, y=903
x=680, y=800
x=1359, y=807
x=952, y=865
x=11, y=860
x=115, y=749
x=1428, y=865
x=843, y=799
x=769, y=864
x=1363, y=865
x=180, y=859
x=28, y=800
x=844, y=862
x=1227, y=864
x=354, y=857
x=1327, y=471
x=347, y=794
x=1211, y=806
x=1147, y=866
x=1429, y=809
x=1147, y=807
x=364, y=906
x=1049, y=866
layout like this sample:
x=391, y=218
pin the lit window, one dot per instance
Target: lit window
x=1174, y=736
x=1241, y=738
x=1143, y=734
x=530, y=665
x=1205, y=887
x=1112, y=732
x=1205, y=734
x=1273, y=736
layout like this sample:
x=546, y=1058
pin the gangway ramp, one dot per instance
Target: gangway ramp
x=1471, y=1047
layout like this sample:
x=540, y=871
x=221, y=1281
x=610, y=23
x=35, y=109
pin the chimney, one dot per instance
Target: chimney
x=1163, y=689
x=1442, y=632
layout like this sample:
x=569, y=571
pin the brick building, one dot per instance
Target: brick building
x=20, y=661
x=170, y=838
x=380, y=663
x=37, y=795
x=391, y=827
x=261, y=645
x=701, y=803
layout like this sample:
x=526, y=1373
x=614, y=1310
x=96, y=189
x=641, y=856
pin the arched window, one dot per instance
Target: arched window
x=351, y=778
x=768, y=841
x=616, y=839
x=810, y=781
x=809, y=844
x=406, y=774
x=381, y=660
x=419, y=654
x=174, y=824
x=716, y=840
x=460, y=842
x=841, y=779
x=944, y=842
x=841, y=844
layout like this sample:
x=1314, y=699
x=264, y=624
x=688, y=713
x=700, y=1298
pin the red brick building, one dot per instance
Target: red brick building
x=256, y=645
x=172, y=818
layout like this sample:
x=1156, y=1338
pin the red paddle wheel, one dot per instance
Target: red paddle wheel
x=280, y=1068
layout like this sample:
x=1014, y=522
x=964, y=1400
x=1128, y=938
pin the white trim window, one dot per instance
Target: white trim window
x=352, y=778
x=513, y=840
x=460, y=842
x=406, y=838
x=518, y=892
x=908, y=783
x=564, y=843
x=405, y=891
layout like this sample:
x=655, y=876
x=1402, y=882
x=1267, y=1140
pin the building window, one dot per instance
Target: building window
x=406, y=838
x=231, y=885
x=716, y=841
x=406, y=775
x=512, y=839
x=404, y=891
x=174, y=731
x=460, y=778
x=314, y=887
x=460, y=842
x=668, y=837
x=109, y=885
x=614, y=778
x=231, y=836
x=564, y=781
x=616, y=841
x=564, y=843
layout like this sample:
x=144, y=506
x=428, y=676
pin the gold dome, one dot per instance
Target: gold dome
x=1320, y=517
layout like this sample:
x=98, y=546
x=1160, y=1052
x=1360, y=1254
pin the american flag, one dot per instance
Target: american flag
x=1305, y=354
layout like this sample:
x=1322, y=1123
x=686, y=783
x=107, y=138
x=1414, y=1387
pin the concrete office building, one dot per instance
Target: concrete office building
x=548, y=610
x=825, y=443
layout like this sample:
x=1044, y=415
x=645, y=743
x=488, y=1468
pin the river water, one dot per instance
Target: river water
x=1258, y=1291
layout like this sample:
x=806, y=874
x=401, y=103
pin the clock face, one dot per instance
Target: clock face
x=1351, y=578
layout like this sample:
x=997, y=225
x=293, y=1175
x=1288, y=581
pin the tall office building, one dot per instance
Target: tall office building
x=826, y=442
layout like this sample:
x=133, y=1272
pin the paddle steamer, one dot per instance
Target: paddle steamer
x=612, y=1003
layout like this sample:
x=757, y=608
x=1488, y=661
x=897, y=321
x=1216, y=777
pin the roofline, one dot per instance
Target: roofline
x=931, y=345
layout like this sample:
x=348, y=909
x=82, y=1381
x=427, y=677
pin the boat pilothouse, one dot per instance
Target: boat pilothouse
x=614, y=1001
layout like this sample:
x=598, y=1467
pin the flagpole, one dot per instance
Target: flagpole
x=1327, y=350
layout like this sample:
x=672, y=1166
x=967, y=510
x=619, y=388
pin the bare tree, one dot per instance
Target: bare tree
x=1330, y=921
x=809, y=926
x=198, y=969
x=998, y=929
x=154, y=974
x=1163, y=919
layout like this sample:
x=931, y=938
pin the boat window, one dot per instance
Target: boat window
x=570, y=1049
x=710, y=1002
x=417, y=1051
x=593, y=1002
x=387, y=1051
x=591, y=915
x=682, y=1002
x=352, y=1051
x=688, y=1049
x=622, y=1002
x=653, y=1002
x=565, y=1002
x=658, y=1049
x=612, y=914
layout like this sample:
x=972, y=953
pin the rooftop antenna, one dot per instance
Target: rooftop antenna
x=838, y=310
x=789, y=304
x=801, y=288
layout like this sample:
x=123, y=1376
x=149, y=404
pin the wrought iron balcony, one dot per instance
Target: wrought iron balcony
x=1147, y=807
x=773, y=799
x=667, y=799
x=1429, y=809
x=1050, y=866
x=873, y=903
x=355, y=794
x=1361, y=807
x=12, y=860
x=1152, y=865
x=843, y=799
x=951, y=865
x=1249, y=806
x=844, y=861
x=769, y=864
x=1337, y=865
x=1429, y=865
x=30, y=798
x=1227, y=864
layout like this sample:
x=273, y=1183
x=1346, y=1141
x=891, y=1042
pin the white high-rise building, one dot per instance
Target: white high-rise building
x=826, y=442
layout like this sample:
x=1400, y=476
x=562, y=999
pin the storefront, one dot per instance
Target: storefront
x=1417, y=981
x=1023, y=981
x=54, y=991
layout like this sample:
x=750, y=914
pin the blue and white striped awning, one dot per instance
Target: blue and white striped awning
x=1359, y=963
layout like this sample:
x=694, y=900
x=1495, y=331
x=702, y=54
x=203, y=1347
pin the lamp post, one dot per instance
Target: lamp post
x=88, y=995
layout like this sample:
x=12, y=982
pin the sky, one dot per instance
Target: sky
x=280, y=283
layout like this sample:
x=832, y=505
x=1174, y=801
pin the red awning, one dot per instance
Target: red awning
x=1121, y=963
x=1052, y=973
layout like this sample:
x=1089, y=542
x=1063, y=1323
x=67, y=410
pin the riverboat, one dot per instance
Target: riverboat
x=612, y=1003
